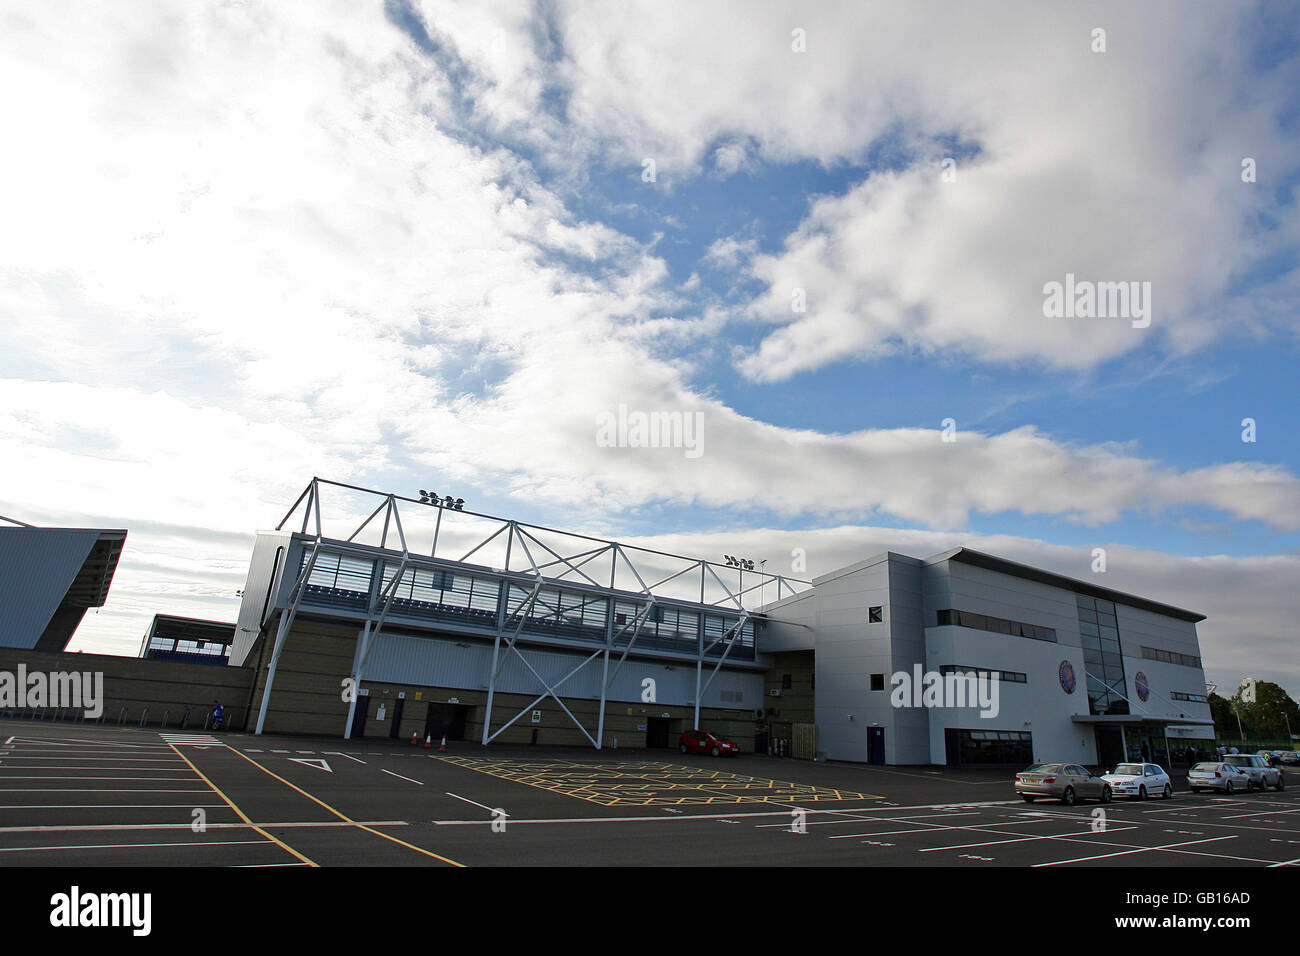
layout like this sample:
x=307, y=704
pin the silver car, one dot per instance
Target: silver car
x=1066, y=782
x=1261, y=774
x=1217, y=776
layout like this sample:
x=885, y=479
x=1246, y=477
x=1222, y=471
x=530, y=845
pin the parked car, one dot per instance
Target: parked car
x=1290, y=758
x=1261, y=774
x=1272, y=757
x=1139, y=780
x=1217, y=776
x=703, y=742
x=1066, y=782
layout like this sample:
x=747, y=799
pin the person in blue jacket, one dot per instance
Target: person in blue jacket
x=218, y=712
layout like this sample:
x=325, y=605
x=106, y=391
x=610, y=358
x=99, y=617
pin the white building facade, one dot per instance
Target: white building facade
x=1083, y=673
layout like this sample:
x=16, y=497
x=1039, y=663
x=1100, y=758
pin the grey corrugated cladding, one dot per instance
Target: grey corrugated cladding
x=37, y=567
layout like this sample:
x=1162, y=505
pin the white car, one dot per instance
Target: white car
x=1139, y=780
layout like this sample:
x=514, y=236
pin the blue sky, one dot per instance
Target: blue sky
x=410, y=244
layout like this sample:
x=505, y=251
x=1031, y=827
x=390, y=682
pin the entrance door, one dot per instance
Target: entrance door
x=657, y=733
x=1110, y=746
x=445, y=720
x=952, y=746
x=396, y=728
x=359, y=717
x=876, y=745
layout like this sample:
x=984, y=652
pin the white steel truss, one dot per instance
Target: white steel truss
x=576, y=561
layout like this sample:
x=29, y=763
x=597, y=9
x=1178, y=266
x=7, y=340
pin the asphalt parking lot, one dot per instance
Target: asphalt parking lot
x=86, y=795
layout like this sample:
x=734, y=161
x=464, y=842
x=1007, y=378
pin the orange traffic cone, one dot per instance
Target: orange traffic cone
x=415, y=739
x=428, y=742
x=442, y=749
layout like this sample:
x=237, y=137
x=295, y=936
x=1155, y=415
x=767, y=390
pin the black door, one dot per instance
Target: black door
x=876, y=745
x=952, y=746
x=359, y=717
x=445, y=720
x=1110, y=746
x=394, y=730
x=656, y=733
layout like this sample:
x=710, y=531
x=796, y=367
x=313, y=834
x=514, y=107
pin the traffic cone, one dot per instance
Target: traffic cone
x=442, y=748
x=428, y=742
x=415, y=739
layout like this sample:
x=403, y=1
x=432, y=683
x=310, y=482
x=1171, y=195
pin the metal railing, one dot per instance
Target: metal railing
x=137, y=714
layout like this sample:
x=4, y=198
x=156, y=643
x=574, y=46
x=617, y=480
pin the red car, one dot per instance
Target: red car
x=703, y=742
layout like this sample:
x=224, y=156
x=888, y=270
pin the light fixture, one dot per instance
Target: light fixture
x=432, y=498
x=744, y=564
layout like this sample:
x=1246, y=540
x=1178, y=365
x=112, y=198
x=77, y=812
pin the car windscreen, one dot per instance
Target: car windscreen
x=1129, y=769
x=1206, y=767
x=1044, y=768
x=1238, y=761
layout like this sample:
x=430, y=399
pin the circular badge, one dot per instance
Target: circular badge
x=1066, y=673
x=1140, y=681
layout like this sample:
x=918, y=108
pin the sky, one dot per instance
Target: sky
x=435, y=245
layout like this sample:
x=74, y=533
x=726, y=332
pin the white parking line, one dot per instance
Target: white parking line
x=1140, y=849
x=468, y=800
x=94, y=790
x=1258, y=813
x=46, y=776
x=189, y=804
x=138, y=760
x=136, y=846
x=338, y=753
x=417, y=782
x=1026, y=839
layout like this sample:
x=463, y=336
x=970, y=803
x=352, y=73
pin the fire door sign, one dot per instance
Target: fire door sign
x=537, y=716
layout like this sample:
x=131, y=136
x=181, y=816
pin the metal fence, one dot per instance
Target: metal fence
x=136, y=714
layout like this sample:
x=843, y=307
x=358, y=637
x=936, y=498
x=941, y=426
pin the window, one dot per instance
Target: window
x=787, y=681
x=1170, y=657
x=877, y=681
x=875, y=615
x=1190, y=698
x=1010, y=677
x=986, y=622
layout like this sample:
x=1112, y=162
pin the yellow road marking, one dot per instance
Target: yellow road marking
x=649, y=783
x=217, y=790
x=344, y=817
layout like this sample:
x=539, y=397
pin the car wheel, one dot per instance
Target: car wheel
x=1168, y=791
x=1281, y=782
x=1105, y=794
x=682, y=748
x=1067, y=798
x=1142, y=792
x=1229, y=788
x=1027, y=798
x=715, y=752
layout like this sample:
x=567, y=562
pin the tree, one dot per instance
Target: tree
x=1268, y=715
x=1225, y=722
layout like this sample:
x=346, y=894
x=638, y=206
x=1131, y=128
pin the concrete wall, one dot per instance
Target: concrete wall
x=849, y=650
x=1040, y=706
x=139, y=684
x=307, y=696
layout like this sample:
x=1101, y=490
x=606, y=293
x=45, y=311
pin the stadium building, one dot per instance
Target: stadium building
x=492, y=629
x=366, y=614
